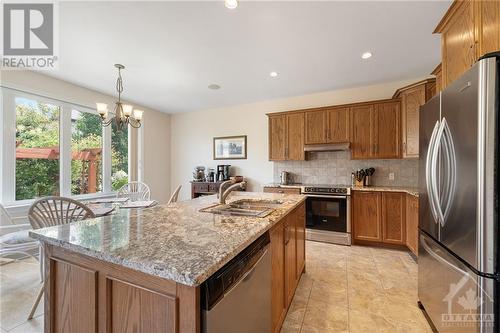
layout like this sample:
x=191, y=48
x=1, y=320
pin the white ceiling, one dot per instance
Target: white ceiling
x=173, y=50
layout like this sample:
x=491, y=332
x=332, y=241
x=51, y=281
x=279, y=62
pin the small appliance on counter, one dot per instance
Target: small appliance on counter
x=211, y=175
x=223, y=172
x=199, y=174
x=285, y=178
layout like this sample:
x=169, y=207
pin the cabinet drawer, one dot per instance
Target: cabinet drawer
x=202, y=187
x=284, y=190
x=213, y=187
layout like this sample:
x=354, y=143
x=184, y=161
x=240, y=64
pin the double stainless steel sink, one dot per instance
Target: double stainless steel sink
x=245, y=207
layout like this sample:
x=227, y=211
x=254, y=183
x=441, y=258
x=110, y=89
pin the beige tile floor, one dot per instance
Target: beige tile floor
x=356, y=289
x=345, y=289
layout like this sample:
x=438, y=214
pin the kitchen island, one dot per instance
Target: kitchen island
x=141, y=270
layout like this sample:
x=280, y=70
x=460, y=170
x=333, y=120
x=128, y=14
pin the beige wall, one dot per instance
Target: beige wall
x=156, y=154
x=192, y=133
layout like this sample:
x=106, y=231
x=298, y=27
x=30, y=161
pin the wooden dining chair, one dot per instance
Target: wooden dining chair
x=52, y=211
x=135, y=191
x=175, y=195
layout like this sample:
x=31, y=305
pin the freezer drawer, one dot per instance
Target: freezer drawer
x=454, y=297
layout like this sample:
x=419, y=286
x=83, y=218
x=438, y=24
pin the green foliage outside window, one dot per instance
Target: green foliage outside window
x=37, y=126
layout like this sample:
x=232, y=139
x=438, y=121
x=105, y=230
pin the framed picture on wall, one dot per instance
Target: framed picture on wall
x=230, y=148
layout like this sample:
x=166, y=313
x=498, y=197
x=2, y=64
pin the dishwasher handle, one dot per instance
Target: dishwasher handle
x=248, y=275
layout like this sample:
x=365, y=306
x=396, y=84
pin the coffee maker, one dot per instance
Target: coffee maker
x=223, y=172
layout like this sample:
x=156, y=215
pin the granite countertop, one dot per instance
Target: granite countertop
x=175, y=241
x=410, y=190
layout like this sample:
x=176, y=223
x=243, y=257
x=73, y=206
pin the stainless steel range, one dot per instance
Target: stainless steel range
x=328, y=213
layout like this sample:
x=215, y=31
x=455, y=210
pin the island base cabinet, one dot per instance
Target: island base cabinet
x=288, y=262
x=83, y=294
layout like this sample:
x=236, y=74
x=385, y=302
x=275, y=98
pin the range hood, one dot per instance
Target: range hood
x=328, y=147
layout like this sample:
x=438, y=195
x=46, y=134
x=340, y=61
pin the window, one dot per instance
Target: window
x=119, y=157
x=37, y=149
x=86, y=153
x=52, y=147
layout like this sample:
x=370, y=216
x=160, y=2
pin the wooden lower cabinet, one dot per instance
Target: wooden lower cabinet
x=278, y=305
x=412, y=223
x=366, y=216
x=112, y=298
x=379, y=217
x=300, y=232
x=288, y=260
x=393, y=218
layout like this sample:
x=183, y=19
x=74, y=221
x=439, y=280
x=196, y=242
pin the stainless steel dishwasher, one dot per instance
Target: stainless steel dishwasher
x=237, y=298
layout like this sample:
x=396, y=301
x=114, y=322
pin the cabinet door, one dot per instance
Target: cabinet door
x=411, y=100
x=300, y=231
x=290, y=258
x=294, y=149
x=277, y=137
x=488, y=22
x=366, y=218
x=278, y=306
x=412, y=223
x=387, y=134
x=393, y=218
x=361, y=131
x=316, y=127
x=458, y=43
x=338, y=125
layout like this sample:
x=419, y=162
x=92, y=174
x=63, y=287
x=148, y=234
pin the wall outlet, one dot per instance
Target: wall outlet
x=391, y=175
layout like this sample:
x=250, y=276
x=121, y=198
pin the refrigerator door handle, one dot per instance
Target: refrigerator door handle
x=434, y=173
x=451, y=171
x=428, y=172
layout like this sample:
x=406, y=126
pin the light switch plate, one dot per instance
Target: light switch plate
x=391, y=175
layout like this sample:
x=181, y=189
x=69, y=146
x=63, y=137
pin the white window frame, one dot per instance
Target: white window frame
x=8, y=148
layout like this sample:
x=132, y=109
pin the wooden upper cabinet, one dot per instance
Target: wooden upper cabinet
x=411, y=101
x=286, y=137
x=394, y=218
x=439, y=79
x=376, y=130
x=387, y=130
x=362, y=126
x=488, y=26
x=458, y=41
x=338, y=125
x=294, y=149
x=366, y=216
x=412, y=98
x=469, y=30
x=316, y=127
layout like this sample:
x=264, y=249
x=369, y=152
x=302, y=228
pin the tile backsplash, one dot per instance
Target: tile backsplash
x=336, y=168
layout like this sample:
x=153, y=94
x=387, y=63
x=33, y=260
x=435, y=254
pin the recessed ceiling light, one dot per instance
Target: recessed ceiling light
x=231, y=4
x=213, y=86
x=366, y=55
x=273, y=74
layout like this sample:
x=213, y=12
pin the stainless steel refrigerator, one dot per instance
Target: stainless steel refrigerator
x=458, y=264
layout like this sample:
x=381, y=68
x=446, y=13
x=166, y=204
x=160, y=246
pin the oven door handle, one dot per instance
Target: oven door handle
x=326, y=196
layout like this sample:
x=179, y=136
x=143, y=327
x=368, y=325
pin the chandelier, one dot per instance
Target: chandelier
x=123, y=112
